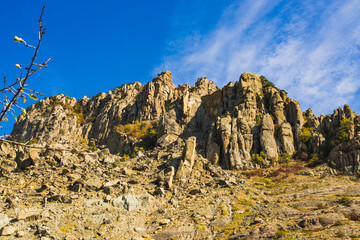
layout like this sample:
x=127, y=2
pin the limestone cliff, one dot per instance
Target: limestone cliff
x=245, y=124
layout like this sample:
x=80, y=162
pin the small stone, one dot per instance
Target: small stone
x=57, y=157
x=173, y=201
x=232, y=180
x=108, y=190
x=164, y=221
x=8, y=165
x=242, y=181
x=20, y=234
x=128, y=202
x=76, y=187
x=42, y=188
x=257, y=220
x=109, y=160
x=45, y=214
x=12, y=155
x=26, y=163
x=307, y=173
x=65, y=171
x=194, y=191
x=4, y=220
x=107, y=199
x=34, y=156
x=71, y=237
x=91, y=158
x=29, y=214
x=127, y=171
x=4, y=149
x=8, y=231
x=140, y=230
x=93, y=183
x=159, y=191
x=74, y=177
x=43, y=230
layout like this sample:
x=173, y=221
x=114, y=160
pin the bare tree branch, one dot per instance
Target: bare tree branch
x=21, y=91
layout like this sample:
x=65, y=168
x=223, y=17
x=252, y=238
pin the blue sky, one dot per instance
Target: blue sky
x=309, y=48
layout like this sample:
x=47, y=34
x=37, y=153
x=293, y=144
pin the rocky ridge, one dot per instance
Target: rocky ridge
x=245, y=124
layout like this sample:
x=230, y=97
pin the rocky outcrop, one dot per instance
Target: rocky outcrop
x=267, y=138
x=241, y=126
x=346, y=156
x=51, y=119
x=187, y=163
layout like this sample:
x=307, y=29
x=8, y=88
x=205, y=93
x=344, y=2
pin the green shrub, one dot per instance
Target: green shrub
x=280, y=234
x=285, y=158
x=268, y=182
x=144, y=131
x=345, y=127
x=77, y=111
x=92, y=148
x=314, y=158
x=33, y=141
x=266, y=83
x=305, y=118
x=259, y=158
x=306, y=134
x=224, y=212
x=258, y=120
x=344, y=199
x=74, y=151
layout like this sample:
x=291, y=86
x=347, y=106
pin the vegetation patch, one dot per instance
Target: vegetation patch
x=33, y=141
x=344, y=131
x=66, y=228
x=285, y=158
x=259, y=158
x=285, y=171
x=145, y=132
x=306, y=134
x=76, y=110
x=344, y=199
x=233, y=227
x=254, y=173
x=268, y=182
x=301, y=156
x=280, y=234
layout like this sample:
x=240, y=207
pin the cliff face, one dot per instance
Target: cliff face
x=245, y=124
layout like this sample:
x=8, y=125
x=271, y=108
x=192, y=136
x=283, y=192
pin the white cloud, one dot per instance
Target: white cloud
x=311, y=49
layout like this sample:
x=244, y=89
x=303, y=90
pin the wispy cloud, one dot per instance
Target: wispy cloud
x=309, y=48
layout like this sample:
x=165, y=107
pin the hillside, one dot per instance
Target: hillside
x=165, y=162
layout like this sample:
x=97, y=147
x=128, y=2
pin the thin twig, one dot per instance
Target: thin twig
x=29, y=71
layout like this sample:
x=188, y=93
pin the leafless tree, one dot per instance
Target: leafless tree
x=19, y=89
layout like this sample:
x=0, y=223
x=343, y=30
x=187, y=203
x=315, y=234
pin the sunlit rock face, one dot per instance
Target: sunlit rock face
x=246, y=124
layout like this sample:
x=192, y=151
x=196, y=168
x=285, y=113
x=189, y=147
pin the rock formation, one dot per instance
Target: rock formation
x=232, y=125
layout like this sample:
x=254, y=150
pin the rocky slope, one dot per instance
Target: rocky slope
x=165, y=162
x=58, y=193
